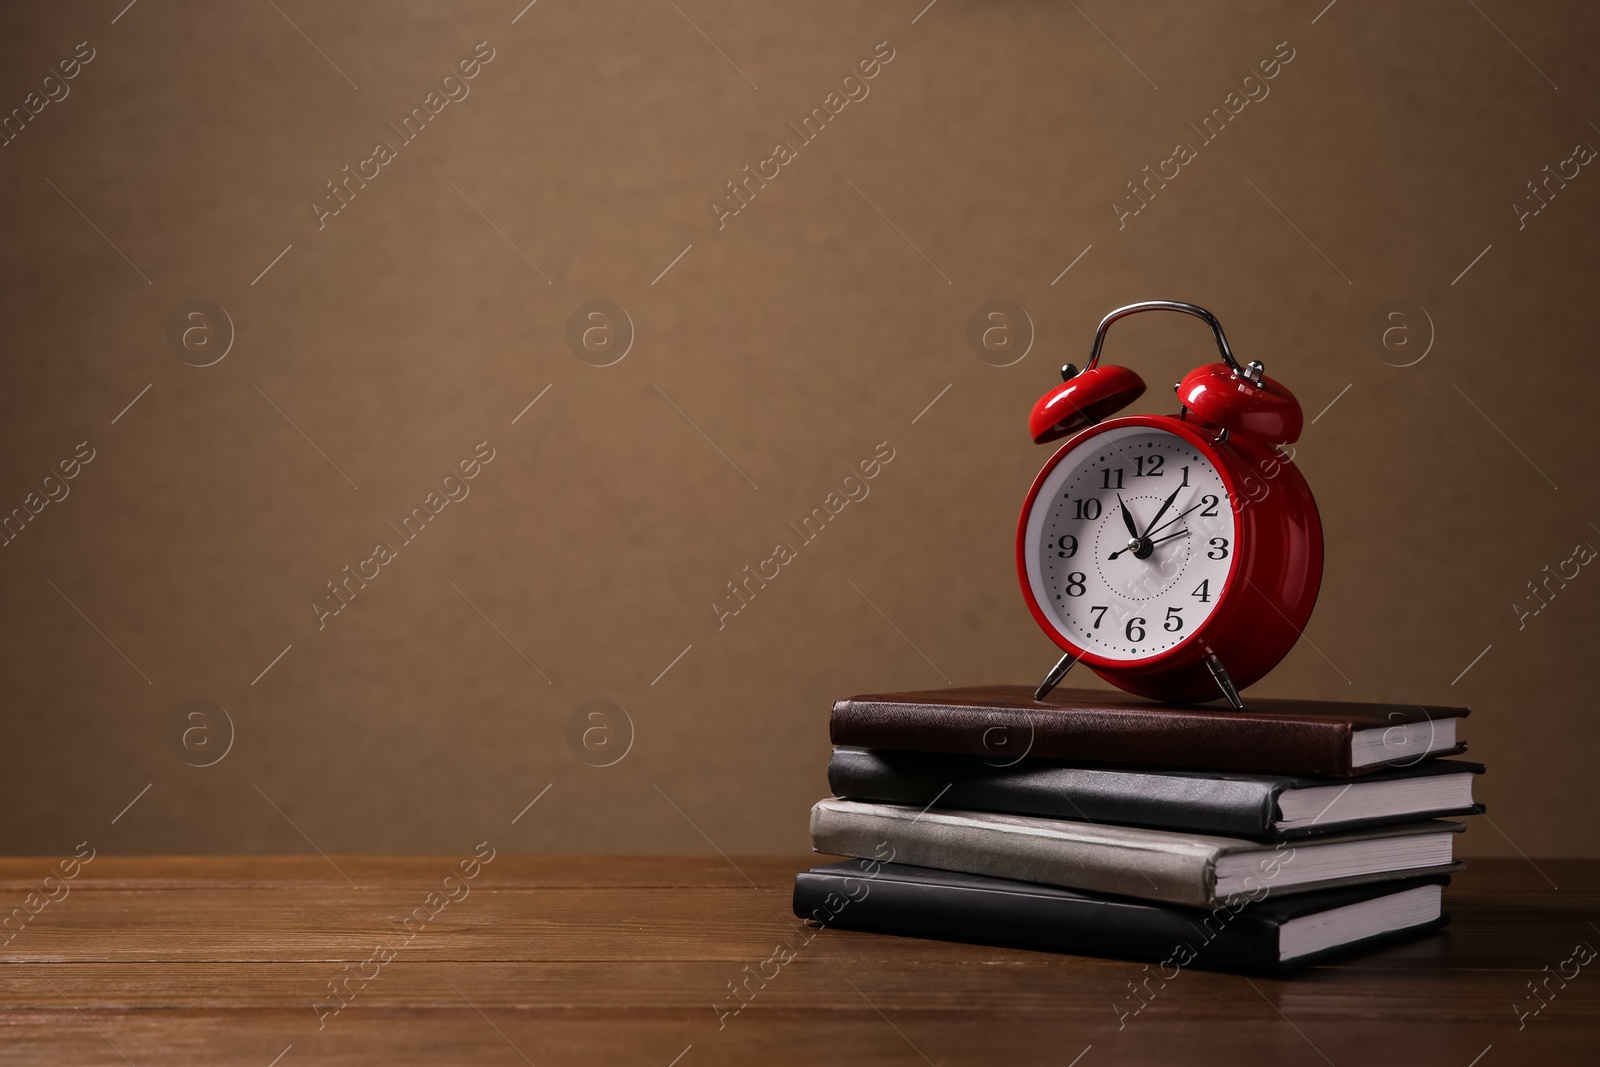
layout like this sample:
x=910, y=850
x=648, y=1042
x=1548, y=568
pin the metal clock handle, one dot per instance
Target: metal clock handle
x=1251, y=373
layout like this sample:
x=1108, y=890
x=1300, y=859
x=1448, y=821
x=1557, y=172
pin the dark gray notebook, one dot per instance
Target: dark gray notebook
x=1251, y=805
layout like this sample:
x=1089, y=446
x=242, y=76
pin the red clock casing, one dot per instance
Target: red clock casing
x=1271, y=587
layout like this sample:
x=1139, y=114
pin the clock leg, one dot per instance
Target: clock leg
x=1058, y=672
x=1224, y=683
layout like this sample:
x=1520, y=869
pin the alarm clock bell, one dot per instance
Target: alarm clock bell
x=1238, y=400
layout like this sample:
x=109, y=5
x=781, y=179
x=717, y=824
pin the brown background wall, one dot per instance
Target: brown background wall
x=775, y=353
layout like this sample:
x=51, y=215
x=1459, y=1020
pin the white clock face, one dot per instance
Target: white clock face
x=1130, y=542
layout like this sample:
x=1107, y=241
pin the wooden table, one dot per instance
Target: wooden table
x=591, y=960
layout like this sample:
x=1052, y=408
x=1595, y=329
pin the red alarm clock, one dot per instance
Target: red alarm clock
x=1178, y=556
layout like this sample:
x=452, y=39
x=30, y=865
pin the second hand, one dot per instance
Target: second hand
x=1169, y=522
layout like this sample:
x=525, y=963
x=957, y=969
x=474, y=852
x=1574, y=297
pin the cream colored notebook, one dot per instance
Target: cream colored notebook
x=1178, y=868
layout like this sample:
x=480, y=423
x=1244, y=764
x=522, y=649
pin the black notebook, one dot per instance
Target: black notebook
x=1207, y=802
x=1270, y=934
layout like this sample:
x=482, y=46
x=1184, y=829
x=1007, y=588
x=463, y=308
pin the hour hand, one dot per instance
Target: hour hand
x=1127, y=519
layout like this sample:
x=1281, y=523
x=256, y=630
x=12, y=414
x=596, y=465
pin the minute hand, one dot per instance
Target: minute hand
x=1165, y=505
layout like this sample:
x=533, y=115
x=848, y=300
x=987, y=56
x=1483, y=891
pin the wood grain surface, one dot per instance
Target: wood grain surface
x=608, y=960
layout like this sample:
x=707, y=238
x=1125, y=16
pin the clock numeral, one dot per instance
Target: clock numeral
x=1098, y=619
x=1203, y=591
x=1149, y=466
x=1134, y=631
x=1174, y=620
x=1210, y=502
x=1067, y=550
x=1105, y=478
x=1088, y=508
x=1075, y=584
x=1185, y=481
x=1219, y=548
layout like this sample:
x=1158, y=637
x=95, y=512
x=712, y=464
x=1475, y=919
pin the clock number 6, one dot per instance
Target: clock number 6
x=1134, y=631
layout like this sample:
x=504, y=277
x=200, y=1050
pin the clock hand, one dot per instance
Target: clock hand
x=1134, y=545
x=1160, y=513
x=1170, y=521
x=1127, y=519
x=1181, y=533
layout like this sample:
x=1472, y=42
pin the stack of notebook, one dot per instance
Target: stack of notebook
x=1104, y=824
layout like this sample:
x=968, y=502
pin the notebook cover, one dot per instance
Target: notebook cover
x=899, y=899
x=1004, y=724
x=1161, y=865
x=1207, y=802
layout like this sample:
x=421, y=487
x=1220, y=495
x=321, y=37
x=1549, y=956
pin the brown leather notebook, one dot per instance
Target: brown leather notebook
x=1003, y=724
